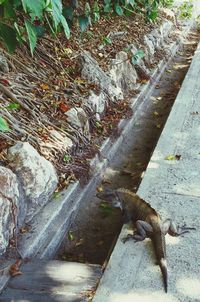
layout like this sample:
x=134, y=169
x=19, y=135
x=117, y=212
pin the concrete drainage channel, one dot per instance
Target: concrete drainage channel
x=96, y=227
x=93, y=231
x=49, y=227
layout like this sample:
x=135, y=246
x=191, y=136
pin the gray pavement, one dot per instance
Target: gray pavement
x=172, y=187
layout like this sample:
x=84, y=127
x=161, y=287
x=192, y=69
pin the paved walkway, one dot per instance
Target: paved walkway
x=173, y=188
x=52, y=281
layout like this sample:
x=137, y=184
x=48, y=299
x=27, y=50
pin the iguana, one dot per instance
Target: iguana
x=147, y=221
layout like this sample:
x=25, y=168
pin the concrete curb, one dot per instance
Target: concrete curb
x=172, y=187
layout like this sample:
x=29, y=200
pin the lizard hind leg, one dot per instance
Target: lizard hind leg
x=143, y=230
x=170, y=227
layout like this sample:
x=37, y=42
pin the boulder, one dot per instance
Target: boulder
x=94, y=74
x=78, y=118
x=122, y=72
x=37, y=176
x=9, y=204
x=97, y=103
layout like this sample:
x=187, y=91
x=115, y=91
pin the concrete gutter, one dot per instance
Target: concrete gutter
x=48, y=228
x=173, y=188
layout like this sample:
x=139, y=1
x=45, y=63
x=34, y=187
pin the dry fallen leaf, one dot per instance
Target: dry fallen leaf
x=155, y=113
x=24, y=230
x=14, y=268
x=44, y=86
x=80, y=242
x=64, y=107
x=177, y=156
x=172, y=157
x=99, y=189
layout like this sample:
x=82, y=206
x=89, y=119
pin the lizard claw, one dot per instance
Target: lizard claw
x=128, y=237
x=183, y=230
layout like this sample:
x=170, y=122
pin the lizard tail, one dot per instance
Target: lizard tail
x=163, y=267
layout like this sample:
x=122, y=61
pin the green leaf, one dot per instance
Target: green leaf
x=67, y=158
x=8, y=35
x=17, y=3
x=119, y=10
x=3, y=125
x=170, y=157
x=13, y=106
x=137, y=56
x=2, y=1
x=107, y=40
x=68, y=13
x=83, y=22
x=56, y=11
x=87, y=9
x=34, y=8
x=140, y=53
x=57, y=195
x=70, y=236
x=32, y=36
x=105, y=208
x=9, y=11
x=131, y=2
x=96, y=8
x=96, y=17
x=107, y=8
x=65, y=26
x=20, y=33
x=152, y=15
x=40, y=30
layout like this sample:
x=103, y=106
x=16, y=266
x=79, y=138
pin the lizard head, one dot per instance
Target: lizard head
x=110, y=196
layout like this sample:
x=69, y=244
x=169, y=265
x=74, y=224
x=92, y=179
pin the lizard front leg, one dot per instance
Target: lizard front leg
x=143, y=230
x=169, y=227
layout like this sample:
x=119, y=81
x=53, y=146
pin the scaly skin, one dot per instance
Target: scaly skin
x=147, y=220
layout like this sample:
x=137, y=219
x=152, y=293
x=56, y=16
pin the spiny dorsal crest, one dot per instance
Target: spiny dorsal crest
x=143, y=202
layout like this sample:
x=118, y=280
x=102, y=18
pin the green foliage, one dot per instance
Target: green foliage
x=3, y=125
x=32, y=36
x=185, y=10
x=137, y=56
x=8, y=36
x=27, y=20
x=167, y=3
x=37, y=17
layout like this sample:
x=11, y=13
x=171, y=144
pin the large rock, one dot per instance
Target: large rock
x=78, y=118
x=97, y=103
x=166, y=28
x=122, y=72
x=149, y=49
x=9, y=205
x=36, y=175
x=94, y=74
x=156, y=39
x=140, y=61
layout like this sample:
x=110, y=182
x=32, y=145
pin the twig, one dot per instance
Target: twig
x=25, y=68
x=9, y=94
